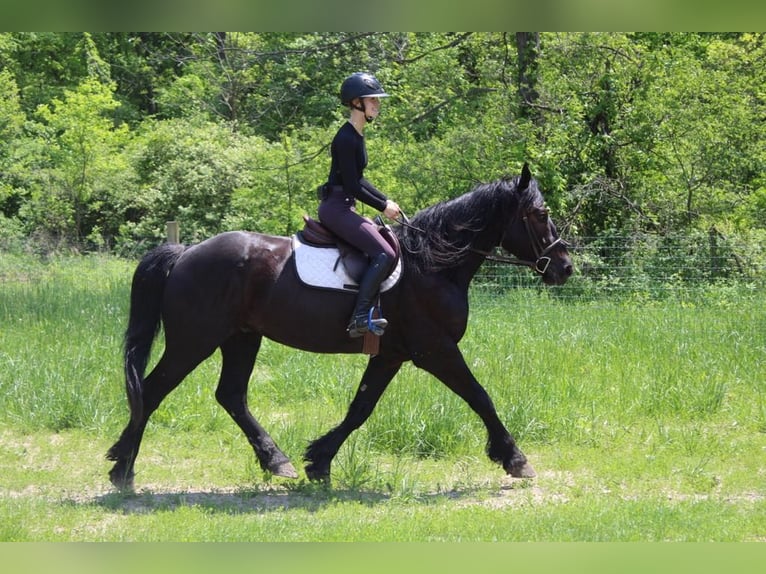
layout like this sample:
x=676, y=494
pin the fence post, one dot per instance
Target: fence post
x=172, y=231
x=714, y=262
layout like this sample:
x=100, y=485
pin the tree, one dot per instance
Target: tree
x=697, y=155
x=528, y=49
x=78, y=145
x=631, y=132
x=12, y=171
x=11, y=125
x=185, y=170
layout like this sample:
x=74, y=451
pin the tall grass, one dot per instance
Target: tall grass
x=587, y=373
x=559, y=371
x=61, y=324
x=570, y=368
x=646, y=420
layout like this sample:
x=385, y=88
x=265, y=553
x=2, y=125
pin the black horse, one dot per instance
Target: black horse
x=233, y=289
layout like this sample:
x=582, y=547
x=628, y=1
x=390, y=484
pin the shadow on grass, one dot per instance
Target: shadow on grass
x=310, y=497
x=243, y=500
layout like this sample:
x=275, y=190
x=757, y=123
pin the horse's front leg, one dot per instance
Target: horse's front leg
x=450, y=368
x=374, y=382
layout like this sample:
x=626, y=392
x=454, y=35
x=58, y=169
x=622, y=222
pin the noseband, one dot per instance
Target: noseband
x=542, y=261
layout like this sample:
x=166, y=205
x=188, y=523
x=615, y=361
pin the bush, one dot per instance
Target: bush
x=11, y=234
x=186, y=171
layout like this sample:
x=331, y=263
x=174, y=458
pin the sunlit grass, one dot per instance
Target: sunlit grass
x=645, y=421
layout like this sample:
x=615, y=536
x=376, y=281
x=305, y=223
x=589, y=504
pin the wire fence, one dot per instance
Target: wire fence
x=645, y=267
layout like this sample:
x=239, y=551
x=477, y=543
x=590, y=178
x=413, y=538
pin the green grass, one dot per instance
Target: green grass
x=199, y=488
x=645, y=421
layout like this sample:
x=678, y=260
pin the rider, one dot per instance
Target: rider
x=346, y=184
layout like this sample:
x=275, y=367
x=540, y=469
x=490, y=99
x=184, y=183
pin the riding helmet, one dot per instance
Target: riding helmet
x=360, y=85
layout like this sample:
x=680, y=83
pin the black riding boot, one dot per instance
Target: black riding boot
x=362, y=320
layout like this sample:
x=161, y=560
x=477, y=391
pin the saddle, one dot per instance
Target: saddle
x=325, y=261
x=352, y=259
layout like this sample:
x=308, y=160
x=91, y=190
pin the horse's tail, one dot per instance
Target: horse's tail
x=144, y=322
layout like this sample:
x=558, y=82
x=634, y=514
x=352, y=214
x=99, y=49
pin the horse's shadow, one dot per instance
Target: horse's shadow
x=259, y=500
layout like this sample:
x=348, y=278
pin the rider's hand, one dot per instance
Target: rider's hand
x=392, y=210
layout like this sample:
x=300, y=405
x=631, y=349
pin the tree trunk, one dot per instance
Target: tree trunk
x=528, y=50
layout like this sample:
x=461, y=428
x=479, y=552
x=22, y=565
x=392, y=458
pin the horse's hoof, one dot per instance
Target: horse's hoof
x=122, y=481
x=523, y=471
x=284, y=469
x=317, y=474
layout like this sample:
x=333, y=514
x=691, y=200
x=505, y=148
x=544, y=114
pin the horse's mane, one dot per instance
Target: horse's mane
x=442, y=235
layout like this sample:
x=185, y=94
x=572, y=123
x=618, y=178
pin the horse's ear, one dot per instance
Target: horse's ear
x=526, y=176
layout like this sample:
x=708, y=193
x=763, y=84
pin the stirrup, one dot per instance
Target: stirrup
x=362, y=324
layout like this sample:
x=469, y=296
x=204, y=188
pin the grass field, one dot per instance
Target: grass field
x=646, y=421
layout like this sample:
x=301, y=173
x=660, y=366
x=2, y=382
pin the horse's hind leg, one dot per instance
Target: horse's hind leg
x=239, y=354
x=170, y=370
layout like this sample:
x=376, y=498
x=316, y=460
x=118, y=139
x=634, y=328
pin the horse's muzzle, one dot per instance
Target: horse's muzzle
x=556, y=269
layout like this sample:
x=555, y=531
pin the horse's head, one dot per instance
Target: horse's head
x=531, y=235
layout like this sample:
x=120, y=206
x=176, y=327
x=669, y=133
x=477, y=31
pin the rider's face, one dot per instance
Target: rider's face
x=372, y=107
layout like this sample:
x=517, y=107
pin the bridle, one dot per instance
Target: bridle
x=542, y=260
x=539, y=265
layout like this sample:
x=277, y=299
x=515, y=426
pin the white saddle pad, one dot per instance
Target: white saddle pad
x=320, y=267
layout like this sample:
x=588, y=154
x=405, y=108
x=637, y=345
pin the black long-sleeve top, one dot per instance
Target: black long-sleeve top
x=349, y=158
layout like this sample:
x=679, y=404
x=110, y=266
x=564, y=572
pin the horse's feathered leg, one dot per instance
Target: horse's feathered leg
x=374, y=382
x=450, y=368
x=239, y=353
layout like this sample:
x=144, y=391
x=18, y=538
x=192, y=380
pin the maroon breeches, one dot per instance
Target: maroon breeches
x=337, y=213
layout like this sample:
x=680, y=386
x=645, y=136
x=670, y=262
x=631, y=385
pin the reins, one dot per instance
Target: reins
x=540, y=265
x=405, y=221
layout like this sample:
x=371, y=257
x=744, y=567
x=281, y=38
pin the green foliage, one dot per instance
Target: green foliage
x=285, y=176
x=78, y=163
x=629, y=132
x=185, y=171
x=45, y=64
x=12, y=120
x=703, y=146
x=11, y=116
